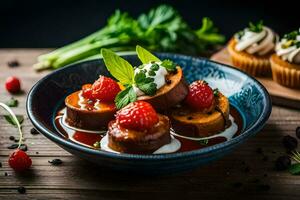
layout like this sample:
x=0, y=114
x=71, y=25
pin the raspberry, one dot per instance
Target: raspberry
x=200, y=95
x=87, y=91
x=13, y=84
x=138, y=115
x=19, y=160
x=105, y=89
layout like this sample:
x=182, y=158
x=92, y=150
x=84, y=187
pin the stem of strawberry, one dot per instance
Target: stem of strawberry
x=13, y=116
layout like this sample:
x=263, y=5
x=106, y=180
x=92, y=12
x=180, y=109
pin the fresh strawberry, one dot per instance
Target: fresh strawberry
x=19, y=160
x=138, y=115
x=200, y=96
x=105, y=89
x=87, y=91
x=13, y=84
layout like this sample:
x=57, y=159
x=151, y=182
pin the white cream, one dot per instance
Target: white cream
x=172, y=147
x=289, y=53
x=256, y=42
x=227, y=133
x=159, y=78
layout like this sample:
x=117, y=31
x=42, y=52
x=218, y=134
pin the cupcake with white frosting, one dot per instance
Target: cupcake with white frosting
x=285, y=62
x=251, y=48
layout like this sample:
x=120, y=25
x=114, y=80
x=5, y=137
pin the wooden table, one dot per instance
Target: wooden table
x=242, y=174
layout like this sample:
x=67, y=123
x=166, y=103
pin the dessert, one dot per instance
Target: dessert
x=92, y=107
x=204, y=113
x=285, y=62
x=139, y=129
x=251, y=48
x=161, y=83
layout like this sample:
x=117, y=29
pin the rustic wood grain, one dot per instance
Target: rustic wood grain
x=79, y=179
x=280, y=95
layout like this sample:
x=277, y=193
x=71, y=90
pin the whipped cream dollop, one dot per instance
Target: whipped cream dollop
x=289, y=47
x=261, y=43
x=158, y=74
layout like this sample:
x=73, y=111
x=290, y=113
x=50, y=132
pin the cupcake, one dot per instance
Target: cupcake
x=251, y=48
x=285, y=63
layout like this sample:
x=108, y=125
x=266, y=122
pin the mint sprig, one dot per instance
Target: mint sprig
x=144, y=83
x=169, y=65
x=119, y=68
x=258, y=27
x=125, y=97
x=145, y=56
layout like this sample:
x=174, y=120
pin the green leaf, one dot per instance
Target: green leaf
x=203, y=142
x=145, y=56
x=12, y=102
x=10, y=120
x=294, y=169
x=169, y=65
x=118, y=67
x=146, y=84
x=258, y=27
x=125, y=97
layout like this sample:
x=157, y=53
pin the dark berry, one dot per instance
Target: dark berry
x=33, y=131
x=282, y=163
x=11, y=138
x=55, y=161
x=13, y=63
x=289, y=142
x=21, y=190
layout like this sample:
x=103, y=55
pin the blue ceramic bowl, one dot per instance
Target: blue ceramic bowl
x=244, y=92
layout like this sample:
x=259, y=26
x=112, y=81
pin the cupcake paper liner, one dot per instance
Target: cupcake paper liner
x=251, y=64
x=285, y=73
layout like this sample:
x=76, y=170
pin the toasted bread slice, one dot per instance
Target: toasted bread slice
x=170, y=94
x=85, y=114
x=188, y=122
x=132, y=141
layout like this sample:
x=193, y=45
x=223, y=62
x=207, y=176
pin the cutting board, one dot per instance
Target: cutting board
x=280, y=95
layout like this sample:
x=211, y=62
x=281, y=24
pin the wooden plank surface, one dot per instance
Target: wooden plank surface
x=280, y=95
x=236, y=176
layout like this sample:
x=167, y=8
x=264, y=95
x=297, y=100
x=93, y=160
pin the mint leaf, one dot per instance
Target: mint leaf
x=146, y=84
x=12, y=102
x=10, y=120
x=118, y=67
x=125, y=97
x=294, y=169
x=258, y=27
x=169, y=65
x=145, y=56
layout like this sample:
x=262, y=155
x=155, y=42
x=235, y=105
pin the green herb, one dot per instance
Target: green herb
x=161, y=29
x=151, y=73
x=154, y=67
x=292, y=35
x=169, y=65
x=294, y=169
x=118, y=67
x=258, y=27
x=216, y=92
x=145, y=84
x=11, y=120
x=12, y=102
x=125, y=97
x=145, y=56
x=203, y=142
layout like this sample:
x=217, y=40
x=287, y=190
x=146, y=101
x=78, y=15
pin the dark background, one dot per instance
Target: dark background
x=58, y=22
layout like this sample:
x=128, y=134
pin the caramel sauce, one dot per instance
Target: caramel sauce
x=88, y=139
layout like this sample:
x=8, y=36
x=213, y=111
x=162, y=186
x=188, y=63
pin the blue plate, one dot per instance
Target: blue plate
x=244, y=92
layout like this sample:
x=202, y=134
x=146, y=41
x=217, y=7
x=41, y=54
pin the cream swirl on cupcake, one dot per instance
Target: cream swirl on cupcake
x=256, y=39
x=288, y=49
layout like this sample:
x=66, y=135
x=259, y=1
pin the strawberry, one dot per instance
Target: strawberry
x=19, y=160
x=138, y=115
x=200, y=96
x=13, y=84
x=105, y=89
x=87, y=91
